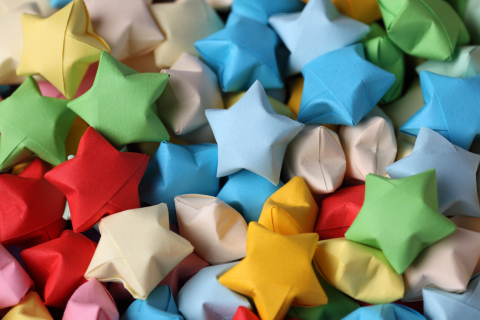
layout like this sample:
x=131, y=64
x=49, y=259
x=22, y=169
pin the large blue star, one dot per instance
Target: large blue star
x=252, y=136
x=451, y=108
x=456, y=171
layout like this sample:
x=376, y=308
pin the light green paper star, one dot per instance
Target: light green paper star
x=400, y=217
x=33, y=124
x=121, y=103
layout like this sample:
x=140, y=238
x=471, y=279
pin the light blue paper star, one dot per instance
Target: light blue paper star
x=252, y=136
x=247, y=192
x=318, y=29
x=389, y=311
x=341, y=87
x=441, y=305
x=158, y=305
x=204, y=298
x=179, y=169
x=242, y=53
x=450, y=108
x=59, y=3
x=261, y=10
x=456, y=171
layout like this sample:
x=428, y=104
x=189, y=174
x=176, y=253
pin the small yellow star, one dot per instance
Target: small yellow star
x=60, y=47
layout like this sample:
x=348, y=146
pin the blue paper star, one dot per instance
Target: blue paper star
x=389, y=311
x=261, y=10
x=247, y=192
x=441, y=305
x=252, y=136
x=159, y=305
x=59, y=3
x=179, y=169
x=450, y=108
x=318, y=29
x=242, y=53
x=456, y=171
x=341, y=87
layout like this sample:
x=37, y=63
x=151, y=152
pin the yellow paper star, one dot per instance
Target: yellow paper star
x=277, y=272
x=291, y=210
x=60, y=47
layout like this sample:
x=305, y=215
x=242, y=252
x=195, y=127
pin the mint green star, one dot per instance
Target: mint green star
x=121, y=103
x=33, y=124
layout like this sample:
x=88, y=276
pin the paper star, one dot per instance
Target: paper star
x=31, y=123
x=43, y=6
x=400, y=217
x=389, y=311
x=11, y=42
x=192, y=88
x=252, y=136
x=216, y=230
x=121, y=103
x=341, y=87
x=181, y=32
x=199, y=297
x=59, y=3
x=441, y=305
x=261, y=10
x=247, y=192
x=241, y=54
x=465, y=63
x=291, y=210
x=32, y=307
x=60, y=47
x=457, y=189
x=430, y=30
x=119, y=259
x=318, y=29
x=103, y=189
x=268, y=276
x=450, y=108
x=447, y=265
x=126, y=25
x=366, y=11
x=158, y=305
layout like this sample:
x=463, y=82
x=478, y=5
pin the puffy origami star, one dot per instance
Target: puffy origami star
x=268, y=276
x=199, y=297
x=366, y=11
x=441, y=305
x=447, y=265
x=121, y=103
x=129, y=29
x=43, y=6
x=318, y=29
x=60, y=47
x=59, y=3
x=11, y=42
x=291, y=210
x=181, y=32
x=118, y=258
x=390, y=311
x=57, y=267
x=252, y=136
x=241, y=54
x=103, y=189
x=158, y=305
x=33, y=124
x=31, y=307
x=330, y=96
x=216, y=230
x=430, y=30
x=247, y=192
x=261, y=10
x=450, y=108
x=457, y=190
x=91, y=298
x=31, y=208
x=192, y=88
x=465, y=63
x=316, y=155
x=359, y=271
x=180, y=169
x=400, y=217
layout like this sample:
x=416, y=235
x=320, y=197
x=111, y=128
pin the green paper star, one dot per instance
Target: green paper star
x=121, y=103
x=400, y=217
x=33, y=124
